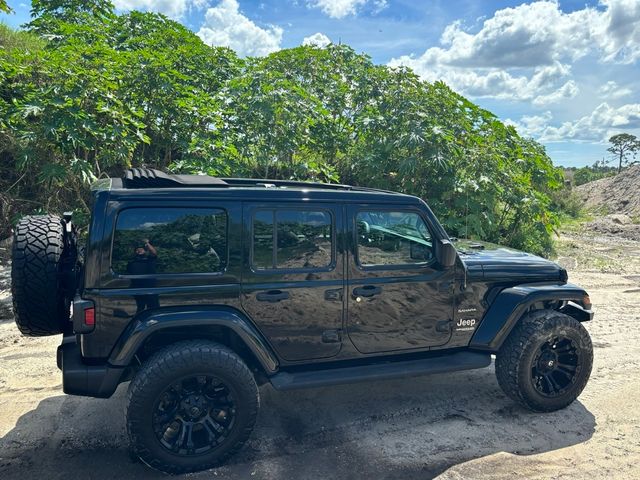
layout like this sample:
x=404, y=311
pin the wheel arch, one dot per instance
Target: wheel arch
x=511, y=304
x=228, y=326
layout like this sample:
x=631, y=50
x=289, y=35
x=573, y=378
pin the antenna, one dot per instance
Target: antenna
x=466, y=216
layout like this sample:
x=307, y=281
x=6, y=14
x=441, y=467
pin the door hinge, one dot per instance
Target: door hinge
x=443, y=326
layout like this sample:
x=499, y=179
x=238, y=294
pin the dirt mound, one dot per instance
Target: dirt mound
x=619, y=225
x=619, y=194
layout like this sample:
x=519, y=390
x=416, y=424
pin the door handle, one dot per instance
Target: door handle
x=333, y=295
x=367, y=291
x=272, y=296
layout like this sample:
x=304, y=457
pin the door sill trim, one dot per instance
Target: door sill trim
x=451, y=362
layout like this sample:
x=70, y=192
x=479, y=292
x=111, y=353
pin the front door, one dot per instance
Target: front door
x=398, y=298
x=293, y=279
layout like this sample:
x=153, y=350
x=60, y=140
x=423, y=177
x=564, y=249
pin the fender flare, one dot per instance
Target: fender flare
x=511, y=304
x=153, y=321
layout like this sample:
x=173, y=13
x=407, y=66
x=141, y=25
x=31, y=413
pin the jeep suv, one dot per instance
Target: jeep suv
x=197, y=289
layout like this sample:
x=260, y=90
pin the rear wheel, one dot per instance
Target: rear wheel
x=546, y=361
x=191, y=406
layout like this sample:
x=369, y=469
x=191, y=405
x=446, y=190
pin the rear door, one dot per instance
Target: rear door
x=293, y=277
x=398, y=298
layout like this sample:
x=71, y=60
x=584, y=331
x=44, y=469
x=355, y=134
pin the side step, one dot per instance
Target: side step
x=380, y=371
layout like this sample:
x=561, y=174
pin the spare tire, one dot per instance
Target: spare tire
x=39, y=303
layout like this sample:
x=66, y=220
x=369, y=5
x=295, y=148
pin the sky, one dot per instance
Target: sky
x=566, y=73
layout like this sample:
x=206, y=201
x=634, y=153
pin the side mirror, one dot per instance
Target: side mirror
x=446, y=253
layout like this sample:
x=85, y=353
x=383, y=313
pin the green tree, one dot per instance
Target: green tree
x=4, y=7
x=50, y=15
x=623, y=148
x=86, y=93
x=593, y=172
x=174, y=78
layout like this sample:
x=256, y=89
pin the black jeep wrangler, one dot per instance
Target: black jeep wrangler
x=198, y=289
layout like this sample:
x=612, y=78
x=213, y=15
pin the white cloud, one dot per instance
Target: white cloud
x=225, y=25
x=531, y=125
x=171, y=8
x=379, y=5
x=344, y=8
x=565, y=92
x=598, y=126
x=317, y=39
x=523, y=53
x=540, y=86
x=612, y=90
x=525, y=36
x=618, y=32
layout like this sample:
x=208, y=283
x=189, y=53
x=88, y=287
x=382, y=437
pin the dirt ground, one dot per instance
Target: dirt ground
x=617, y=194
x=452, y=426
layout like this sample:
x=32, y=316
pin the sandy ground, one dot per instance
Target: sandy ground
x=617, y=194
x=452, y=426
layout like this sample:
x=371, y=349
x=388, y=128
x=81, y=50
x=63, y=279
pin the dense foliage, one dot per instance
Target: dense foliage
x=85, y=93
x=581, y=175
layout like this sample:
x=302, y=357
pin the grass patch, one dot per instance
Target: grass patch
x=570, y=223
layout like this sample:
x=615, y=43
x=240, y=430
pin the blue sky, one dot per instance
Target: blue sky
x=563, y=72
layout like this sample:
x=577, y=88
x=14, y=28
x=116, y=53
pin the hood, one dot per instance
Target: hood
x=503, y=263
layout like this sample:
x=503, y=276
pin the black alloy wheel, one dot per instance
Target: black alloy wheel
x=545, y=362
x=191, y=406
x=194, y=415
x=556, y=366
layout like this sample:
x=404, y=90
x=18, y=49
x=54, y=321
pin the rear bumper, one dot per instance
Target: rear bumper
x=98, y=381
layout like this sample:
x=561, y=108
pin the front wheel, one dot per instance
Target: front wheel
x=546, y=361
x=190, y=407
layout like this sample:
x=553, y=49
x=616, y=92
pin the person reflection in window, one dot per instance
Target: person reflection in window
x=144, y=261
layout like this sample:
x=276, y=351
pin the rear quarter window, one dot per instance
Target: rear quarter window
x=151, y=241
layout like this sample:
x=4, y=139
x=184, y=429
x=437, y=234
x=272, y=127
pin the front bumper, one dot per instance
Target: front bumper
x=98, y=381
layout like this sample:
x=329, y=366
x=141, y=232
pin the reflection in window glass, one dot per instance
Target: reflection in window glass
x=170, y=240
x=304, y=239
x=392, y=238
x=263, y=239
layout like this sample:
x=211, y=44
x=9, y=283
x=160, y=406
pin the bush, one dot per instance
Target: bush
x=566, y=202
x=108, y=91
x=589, y=174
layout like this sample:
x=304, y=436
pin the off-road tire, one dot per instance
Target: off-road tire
x=39, y=304
x=516, y=359
x=180, y=360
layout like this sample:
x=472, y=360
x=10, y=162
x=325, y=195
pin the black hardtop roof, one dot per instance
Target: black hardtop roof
x=143, y=182
x=152, y=178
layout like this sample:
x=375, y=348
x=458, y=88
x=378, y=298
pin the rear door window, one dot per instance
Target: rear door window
x=290, y=239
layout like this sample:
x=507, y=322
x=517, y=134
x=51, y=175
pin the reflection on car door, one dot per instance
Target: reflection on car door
x=293, y=277
x=397, y=296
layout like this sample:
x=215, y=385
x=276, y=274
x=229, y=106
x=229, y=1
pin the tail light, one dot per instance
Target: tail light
x=84, y=315
x=90, y=317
